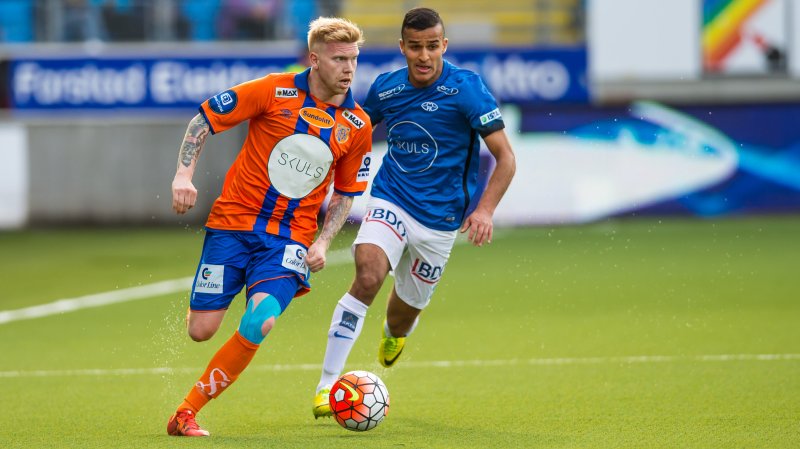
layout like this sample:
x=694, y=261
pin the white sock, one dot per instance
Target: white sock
x=388, y=333
x=346, y=324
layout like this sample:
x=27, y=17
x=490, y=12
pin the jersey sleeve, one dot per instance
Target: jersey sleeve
x=237, y=104
x=481, y=108
x=371, y=104
x=352, y=171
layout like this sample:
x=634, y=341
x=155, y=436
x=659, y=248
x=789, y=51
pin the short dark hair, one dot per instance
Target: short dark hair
x=421, y=19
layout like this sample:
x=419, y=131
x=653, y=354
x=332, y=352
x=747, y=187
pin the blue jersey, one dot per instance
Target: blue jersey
x=431, y=166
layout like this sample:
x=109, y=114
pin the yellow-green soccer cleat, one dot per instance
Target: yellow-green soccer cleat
x=390, y=349
x=322, y=408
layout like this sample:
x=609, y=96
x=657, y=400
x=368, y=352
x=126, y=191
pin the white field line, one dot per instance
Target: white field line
x=337, y=257
x=410, y=364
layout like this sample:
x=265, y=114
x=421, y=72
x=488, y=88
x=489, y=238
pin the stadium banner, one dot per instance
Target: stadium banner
x=582, y=163
x=165, y=83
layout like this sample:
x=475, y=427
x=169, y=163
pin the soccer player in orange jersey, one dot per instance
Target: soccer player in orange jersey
x=305, y=131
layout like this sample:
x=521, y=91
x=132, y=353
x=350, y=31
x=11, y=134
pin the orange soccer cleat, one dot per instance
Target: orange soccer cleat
x=182, y=423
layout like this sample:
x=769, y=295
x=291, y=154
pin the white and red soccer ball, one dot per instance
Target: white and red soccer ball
x=359, y=400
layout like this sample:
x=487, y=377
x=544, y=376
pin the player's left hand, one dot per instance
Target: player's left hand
x=479, y=224
x=315, y=258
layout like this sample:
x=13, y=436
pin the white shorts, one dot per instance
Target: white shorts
x=417, y=253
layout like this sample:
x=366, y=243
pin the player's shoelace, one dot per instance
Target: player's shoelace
x=391, y=345
x=187, y=422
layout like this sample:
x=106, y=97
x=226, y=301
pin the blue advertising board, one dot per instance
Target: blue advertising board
x=645, y=158
x=178, y=83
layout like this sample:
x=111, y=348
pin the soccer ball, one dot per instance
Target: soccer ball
x=359, y=400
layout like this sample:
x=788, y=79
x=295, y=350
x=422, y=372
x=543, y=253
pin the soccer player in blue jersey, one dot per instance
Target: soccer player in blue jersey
x=434, y=113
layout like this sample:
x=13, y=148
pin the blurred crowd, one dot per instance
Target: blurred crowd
x=26, y=21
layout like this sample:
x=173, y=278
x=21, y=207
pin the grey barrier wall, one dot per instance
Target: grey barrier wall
x=117, y=172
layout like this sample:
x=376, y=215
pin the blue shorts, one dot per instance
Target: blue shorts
x=262, y=262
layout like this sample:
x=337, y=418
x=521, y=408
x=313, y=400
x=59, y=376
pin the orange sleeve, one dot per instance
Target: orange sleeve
x=352, y=171
x=238, y=104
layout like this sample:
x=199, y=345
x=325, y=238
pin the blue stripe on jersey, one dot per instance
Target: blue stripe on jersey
x=474, y=145
x=325, y=134
x=284, y=229
x=301, y=127
x=267, y=208
x=205, y=117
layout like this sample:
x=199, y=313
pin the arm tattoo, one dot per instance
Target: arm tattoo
x=193, y=141
x=338, y=210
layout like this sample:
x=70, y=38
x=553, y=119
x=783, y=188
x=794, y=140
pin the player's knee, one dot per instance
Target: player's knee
x=200, y=335
x=267, y=326
x=259, y=319
x=201, y=330
x=367, y=284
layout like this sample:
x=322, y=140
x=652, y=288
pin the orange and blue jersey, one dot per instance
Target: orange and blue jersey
x=295, y=146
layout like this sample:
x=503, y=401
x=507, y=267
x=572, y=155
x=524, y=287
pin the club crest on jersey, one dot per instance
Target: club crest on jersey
x=286, y=92
x=426, y=272
x=391, y=92
x=352, y=118
x=316, y=117
x=342, y=133
x=447, y=90
x=429, y=106
x=224, y=102
x=489, y=116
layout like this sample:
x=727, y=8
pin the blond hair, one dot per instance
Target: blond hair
x=334, y=29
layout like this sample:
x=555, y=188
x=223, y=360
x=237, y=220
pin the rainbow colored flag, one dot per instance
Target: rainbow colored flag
x=723, y=21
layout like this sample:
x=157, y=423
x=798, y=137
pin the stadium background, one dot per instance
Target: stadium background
x=658, y=177
x=90, y=103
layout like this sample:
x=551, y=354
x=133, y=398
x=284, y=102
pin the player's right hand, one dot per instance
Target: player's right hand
x=184, y=194
x=316, y=256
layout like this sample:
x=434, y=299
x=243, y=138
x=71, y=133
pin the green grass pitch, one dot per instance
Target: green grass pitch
x=645, y=333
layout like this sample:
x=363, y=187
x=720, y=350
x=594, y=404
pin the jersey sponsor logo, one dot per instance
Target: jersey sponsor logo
x=363, y=171
x=349, y=320
x=342, y=133
x=286, y=92
x=447, y=90
x=387, y=218
x=489, y=116
x=294, y=258
x=430, y=274
x=210, y=279
x=352, y=118
x=286, y=113
x=411, y=147
x=429, y=106
x=224, y=102
x=391, y=92
x=316, y=117
x=298, y=164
